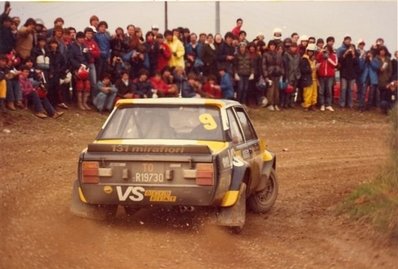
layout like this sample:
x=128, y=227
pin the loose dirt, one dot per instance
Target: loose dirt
x=321, y=157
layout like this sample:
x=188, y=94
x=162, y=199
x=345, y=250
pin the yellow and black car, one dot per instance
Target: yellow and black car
x=180, y=152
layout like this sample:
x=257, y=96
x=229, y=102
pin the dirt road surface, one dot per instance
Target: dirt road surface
x=321, y=158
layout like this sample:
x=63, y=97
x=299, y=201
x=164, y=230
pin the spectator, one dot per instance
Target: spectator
x=124, y=86
x=6, y=36
x=94, y=51
x=177, y=50
x=103, y=40
x=369, y=67
x=57, y=93
x=142, y=87
x=58, y=36
x=308, y=79
x=243, y=70
x=164, y=53
x=31, y=95
x=291, y=61
x=58, y=23
x=226, y=53
x=118, y=46
x=24, y=42
x=209, y=57
x=79, y=57
x=236, y=30
x=272, y=66
x=348, y=71
x=40, y=31
x=162, y=89
x=14, y=94
x=191, y=87
x=94, y=21
x=256, y=58
x=303, y=45
x=277, y=35
x=3, y=81
x=211, y=89
x=385, y=72
x=328, y=61
x=105, y=94
x=344, y=46
x=155, y=30
x=226, y=84
x=295, y=37
x=151, y=53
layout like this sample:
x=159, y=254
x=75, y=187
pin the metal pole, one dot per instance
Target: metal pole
x=218, y=17
x=166, y=27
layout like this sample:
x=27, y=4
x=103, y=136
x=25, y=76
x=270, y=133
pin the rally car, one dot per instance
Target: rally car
x=176, y=152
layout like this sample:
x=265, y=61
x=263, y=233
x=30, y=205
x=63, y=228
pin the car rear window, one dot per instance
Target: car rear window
x=164, y=122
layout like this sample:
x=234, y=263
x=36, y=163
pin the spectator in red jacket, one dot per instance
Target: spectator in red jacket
x=327, y=60
x=164, y=53
x=162, y=88
x=94, y=51
x=236, y=30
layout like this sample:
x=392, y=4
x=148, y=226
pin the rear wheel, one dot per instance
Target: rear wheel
x=81, y=209
x=262, y=201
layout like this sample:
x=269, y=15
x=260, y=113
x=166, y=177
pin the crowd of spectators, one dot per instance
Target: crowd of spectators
x=50, y=69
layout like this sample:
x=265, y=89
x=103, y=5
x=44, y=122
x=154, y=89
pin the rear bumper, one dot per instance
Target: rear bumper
x=133, y=194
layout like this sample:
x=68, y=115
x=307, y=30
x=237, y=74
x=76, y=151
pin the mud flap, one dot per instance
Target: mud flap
x=96, y=212
x=234, y=216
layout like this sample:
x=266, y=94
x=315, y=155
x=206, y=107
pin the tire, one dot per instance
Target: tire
x=263, y=201
x=90, y=211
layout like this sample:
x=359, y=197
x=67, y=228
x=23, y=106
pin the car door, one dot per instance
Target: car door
x=247, y=146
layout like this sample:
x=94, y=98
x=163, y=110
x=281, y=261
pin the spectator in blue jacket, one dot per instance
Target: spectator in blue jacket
x=226, y=83
x=103, y=40
x=369, y=67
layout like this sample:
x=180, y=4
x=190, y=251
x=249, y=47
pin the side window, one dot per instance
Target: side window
x=233, y=124
x=248, y=129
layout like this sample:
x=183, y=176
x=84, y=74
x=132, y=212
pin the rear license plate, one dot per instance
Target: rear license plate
x=148, y=177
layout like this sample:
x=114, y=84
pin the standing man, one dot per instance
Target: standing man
x=327, y=60
x=103, y=40
x=177, y=50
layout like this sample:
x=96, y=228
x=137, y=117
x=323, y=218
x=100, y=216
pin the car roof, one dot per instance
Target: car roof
x=222, y=103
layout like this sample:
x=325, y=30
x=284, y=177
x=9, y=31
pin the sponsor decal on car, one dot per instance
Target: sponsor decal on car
x=138, y=193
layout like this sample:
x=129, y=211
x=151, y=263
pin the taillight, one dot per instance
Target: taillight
x=205, y=174
x=90, y=172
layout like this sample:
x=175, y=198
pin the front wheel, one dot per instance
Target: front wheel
x=262, y=201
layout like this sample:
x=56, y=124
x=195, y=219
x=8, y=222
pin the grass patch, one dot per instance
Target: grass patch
x=377, y=201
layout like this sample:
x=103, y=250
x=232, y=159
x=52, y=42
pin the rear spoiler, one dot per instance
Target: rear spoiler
x=163, y=149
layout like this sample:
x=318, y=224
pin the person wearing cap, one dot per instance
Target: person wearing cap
x=79, y=57
x=103, y=40
x=277, y=35
x=25, y=36
x=273, y=69
x=328, y=62
x=308, y=79
x=243, y=70
x=303, y=45
x=177, y=50
x=155, y=30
